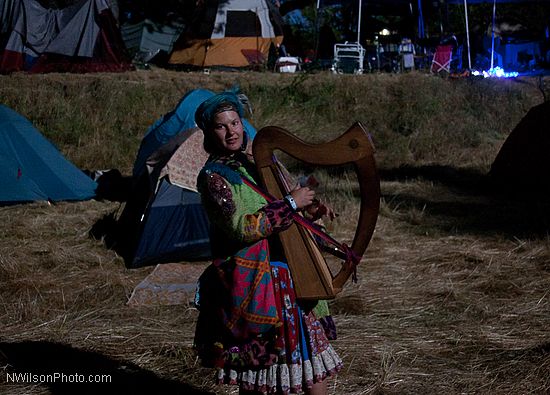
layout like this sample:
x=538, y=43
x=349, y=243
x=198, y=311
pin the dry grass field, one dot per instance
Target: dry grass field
x=453, y=294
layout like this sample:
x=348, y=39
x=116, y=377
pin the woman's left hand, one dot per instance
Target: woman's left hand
x=318, y=210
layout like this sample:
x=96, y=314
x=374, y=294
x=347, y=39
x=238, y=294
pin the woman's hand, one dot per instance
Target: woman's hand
x=318, y=210
x=303, y=196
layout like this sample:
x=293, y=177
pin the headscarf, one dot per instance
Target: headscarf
x=226, y=101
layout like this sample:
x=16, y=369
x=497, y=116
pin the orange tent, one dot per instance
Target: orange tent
x=231, y=33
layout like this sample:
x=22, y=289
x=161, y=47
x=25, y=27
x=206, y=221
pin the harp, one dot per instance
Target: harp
x=312, y=276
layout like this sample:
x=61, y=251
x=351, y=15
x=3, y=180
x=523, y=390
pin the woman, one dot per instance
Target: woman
x=250, y=325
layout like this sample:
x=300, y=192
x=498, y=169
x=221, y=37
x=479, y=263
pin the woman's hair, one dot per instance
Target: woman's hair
x=204, y=116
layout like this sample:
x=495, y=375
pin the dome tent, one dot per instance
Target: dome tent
x=32, y=169
x=230, y=33
x=522, y=166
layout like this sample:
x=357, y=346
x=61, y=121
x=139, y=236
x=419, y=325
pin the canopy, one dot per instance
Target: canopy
x=494, y=2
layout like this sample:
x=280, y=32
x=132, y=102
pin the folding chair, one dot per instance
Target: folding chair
x=442, y=59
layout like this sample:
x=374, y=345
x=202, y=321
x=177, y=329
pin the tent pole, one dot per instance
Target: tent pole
x=421, y=33
x=493, y=34
x=359, y=24
x=412, y=17
x=258, y=39
x=317, y=33
x=467, y=34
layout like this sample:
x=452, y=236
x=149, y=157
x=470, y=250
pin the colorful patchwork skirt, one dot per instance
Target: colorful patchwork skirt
x=301, y=353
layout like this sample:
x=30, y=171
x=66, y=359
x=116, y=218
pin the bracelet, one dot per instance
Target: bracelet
x=291, y=202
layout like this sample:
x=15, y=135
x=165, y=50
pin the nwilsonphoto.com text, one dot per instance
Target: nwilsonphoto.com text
x=31, y=378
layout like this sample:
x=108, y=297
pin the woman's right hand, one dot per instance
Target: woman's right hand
x=303, y=196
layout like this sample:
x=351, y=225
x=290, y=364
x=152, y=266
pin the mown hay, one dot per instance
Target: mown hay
x=452, y=294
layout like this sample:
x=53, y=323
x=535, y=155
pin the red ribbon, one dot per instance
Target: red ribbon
x=351, y=260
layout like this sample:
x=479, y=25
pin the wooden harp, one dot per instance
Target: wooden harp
x=312, y=277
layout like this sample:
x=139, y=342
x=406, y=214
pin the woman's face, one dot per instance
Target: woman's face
x=228, y=131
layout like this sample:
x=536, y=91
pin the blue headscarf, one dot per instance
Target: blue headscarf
x=224, y=101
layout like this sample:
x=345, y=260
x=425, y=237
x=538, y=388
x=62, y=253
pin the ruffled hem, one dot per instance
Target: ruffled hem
x=284, y=378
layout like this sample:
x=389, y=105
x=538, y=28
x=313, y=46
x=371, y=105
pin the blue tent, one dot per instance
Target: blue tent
x=163, y=220
x=175, y=228
x=31, y=168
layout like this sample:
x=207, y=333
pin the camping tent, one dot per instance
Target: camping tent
x=32, y=168
x=82, y=37
x=164, y=221
x=522, y=166
x=233, y=33
x=147, y=39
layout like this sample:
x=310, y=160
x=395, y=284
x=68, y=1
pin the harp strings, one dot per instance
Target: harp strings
x=284, y=179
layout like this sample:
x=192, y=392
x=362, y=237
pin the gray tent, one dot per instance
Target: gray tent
x=146, y=39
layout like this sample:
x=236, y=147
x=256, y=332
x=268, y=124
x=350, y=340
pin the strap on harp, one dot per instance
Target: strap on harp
x=351, y=258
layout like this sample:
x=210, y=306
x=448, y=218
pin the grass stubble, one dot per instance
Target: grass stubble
x=452, y=297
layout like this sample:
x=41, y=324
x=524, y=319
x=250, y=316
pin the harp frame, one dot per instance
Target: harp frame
x=312, y=277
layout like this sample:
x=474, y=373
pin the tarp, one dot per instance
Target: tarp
x=82, y=37
x=168, y=284
x=31, y=168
